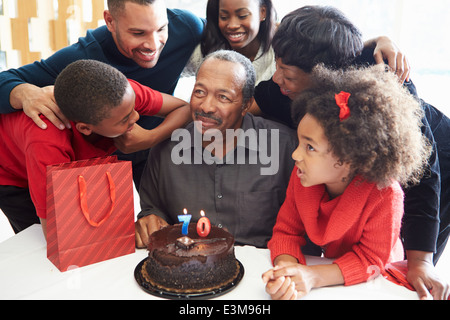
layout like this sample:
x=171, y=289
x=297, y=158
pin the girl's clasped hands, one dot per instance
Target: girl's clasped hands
x=288, y=280
x=287, y=283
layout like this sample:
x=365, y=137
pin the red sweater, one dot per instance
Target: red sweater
x=358, y=229
x=26, y=150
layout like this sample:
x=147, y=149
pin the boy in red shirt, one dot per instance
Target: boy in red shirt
x=103, y=106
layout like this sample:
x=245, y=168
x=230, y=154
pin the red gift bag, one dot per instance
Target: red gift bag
x=90, y=212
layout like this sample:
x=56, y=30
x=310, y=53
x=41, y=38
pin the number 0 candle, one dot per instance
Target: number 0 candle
x=185, y=219
x=203, y=225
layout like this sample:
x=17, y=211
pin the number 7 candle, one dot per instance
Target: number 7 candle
x=185, y=219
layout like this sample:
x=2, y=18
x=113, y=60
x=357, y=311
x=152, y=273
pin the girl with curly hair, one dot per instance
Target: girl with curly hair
x=359, y=140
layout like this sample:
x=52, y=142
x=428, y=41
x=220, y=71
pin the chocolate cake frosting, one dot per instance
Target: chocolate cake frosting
x=190, y=264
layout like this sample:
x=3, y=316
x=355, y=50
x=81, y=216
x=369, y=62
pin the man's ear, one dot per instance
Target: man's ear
x=84, y=128
x=247, y=106
x=109, y=20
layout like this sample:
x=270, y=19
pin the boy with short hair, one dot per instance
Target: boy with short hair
x=103, y=107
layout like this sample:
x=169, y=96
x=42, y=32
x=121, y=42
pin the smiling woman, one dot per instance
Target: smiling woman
x=240, y=22
x=291, y=79
x=245, y=26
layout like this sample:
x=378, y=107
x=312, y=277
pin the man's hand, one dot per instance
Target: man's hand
x=35, y=101
x=423, y=277
x=398, y=63
x=145, y=227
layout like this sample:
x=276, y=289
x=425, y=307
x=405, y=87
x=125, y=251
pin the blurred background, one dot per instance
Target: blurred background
x=31, y=30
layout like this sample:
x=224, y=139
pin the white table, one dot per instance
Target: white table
x=26, y=273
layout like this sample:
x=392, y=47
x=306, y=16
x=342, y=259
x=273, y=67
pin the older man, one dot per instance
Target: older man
x=230, y=164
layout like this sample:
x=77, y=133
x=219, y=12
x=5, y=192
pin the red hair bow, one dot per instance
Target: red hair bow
x=342, y=102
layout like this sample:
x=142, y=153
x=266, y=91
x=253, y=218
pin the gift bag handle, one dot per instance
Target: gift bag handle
x=83, y=200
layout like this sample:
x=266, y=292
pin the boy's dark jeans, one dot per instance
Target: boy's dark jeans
x=16, y=204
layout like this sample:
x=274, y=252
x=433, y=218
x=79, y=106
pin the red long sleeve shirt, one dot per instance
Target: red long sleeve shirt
x=26, y=150
x=358, y=229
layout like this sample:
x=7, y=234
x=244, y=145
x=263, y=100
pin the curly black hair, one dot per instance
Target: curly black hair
x=382, y=139
x=86, y=90
x=314, y=35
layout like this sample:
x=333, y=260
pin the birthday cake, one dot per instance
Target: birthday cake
x=190, y=264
